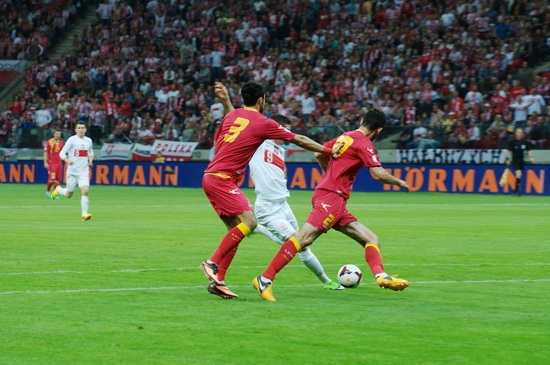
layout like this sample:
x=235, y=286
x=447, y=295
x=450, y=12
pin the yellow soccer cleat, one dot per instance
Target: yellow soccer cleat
x=86, y=217
x=55, y=194
x=392, y=282
x=264, y=289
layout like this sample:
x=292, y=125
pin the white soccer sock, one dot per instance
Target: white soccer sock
x=62, y=191
x=263, y=230
x=312, y=262
x=84, y=203
x=382, y=274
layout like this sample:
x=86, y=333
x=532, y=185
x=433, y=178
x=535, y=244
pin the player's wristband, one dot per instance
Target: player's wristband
x=327, y=151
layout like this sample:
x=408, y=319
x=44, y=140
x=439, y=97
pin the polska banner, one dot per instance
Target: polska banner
x=173, y=150
x=450, y=156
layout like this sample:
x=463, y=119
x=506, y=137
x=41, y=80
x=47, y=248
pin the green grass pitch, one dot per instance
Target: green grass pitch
x=125, y=288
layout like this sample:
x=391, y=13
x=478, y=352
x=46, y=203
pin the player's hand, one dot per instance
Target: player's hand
x=70, y=162
x=507, y=163
x=335, y=148
x=403, y=184
x=221, y=91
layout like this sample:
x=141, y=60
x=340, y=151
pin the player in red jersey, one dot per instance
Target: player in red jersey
x=240, y=133
x=52, y=161
x=329, y=204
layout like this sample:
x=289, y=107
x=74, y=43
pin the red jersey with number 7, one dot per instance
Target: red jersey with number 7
x=240, y=133
x=357, y=151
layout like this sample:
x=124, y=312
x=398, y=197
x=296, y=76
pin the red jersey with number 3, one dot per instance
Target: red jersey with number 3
x=240, y=133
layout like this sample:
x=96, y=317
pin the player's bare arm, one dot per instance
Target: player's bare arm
x=322, y=160
x=381, y=175
x=310, y=145
x=221, y=92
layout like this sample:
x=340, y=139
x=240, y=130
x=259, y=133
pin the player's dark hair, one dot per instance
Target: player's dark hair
x=281, y=119
x=80, y=122
x=252, y=91
x=374, y=119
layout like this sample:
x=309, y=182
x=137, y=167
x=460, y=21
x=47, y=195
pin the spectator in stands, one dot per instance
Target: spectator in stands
x=147, y=52
x=473, y=136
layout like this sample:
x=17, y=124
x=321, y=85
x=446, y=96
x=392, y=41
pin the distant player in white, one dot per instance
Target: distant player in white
x=275, y=218
x=78, y=154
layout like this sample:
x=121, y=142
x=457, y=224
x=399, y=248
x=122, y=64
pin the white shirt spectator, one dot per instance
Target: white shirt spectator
x=473, y=97
x=42, y=117
x=520, y=107
x=216, y=58
x=217, y=111
x=162, y=95
x=308, y=105
x=538, y=104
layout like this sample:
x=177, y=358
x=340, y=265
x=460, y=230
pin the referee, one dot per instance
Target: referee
x=515, y=155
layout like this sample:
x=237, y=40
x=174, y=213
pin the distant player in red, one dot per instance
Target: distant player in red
x=52, y=161
x=329, y=204
x=240, y=133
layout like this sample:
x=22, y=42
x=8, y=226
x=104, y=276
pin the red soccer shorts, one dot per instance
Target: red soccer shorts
x=329, y=211
x=224, y=195
x=55, y=172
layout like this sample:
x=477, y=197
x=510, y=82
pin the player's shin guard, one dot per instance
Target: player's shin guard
x=285, y=254
x=373, y=258
x=229, y=242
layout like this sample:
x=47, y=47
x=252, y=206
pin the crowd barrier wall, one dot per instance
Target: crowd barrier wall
x=477, y=179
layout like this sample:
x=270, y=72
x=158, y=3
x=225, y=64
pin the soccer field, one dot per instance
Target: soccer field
x=125, y=287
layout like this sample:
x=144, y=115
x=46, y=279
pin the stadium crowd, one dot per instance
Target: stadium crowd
x=447, y=73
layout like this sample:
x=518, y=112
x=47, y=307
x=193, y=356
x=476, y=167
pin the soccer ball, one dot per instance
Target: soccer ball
x=350, y=276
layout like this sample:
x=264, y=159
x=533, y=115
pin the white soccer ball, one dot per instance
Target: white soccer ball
x=350, y=276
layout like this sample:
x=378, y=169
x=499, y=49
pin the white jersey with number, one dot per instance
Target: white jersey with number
x=77, y=149
x=267, y=170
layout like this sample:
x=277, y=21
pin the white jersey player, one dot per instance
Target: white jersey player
x=275, y=218
x=78, y=154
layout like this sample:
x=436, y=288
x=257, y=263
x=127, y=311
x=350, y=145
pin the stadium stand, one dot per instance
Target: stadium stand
x=461, y=71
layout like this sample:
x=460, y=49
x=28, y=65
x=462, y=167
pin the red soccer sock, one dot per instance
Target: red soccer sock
x=225, y=262
x=286, y=253
x=230, y=242
x=48, y=186
x=373, y=258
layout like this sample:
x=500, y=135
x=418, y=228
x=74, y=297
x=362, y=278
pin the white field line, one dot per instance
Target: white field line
x=182, y=287
x=58, y=272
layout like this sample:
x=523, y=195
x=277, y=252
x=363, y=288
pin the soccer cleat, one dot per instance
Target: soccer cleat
x=264, y=289
x=48, y=195
x=211, y=271
x=221, y=291
x=86, y=217
x=392, y=282
x=331, y=285
x=55, y=194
